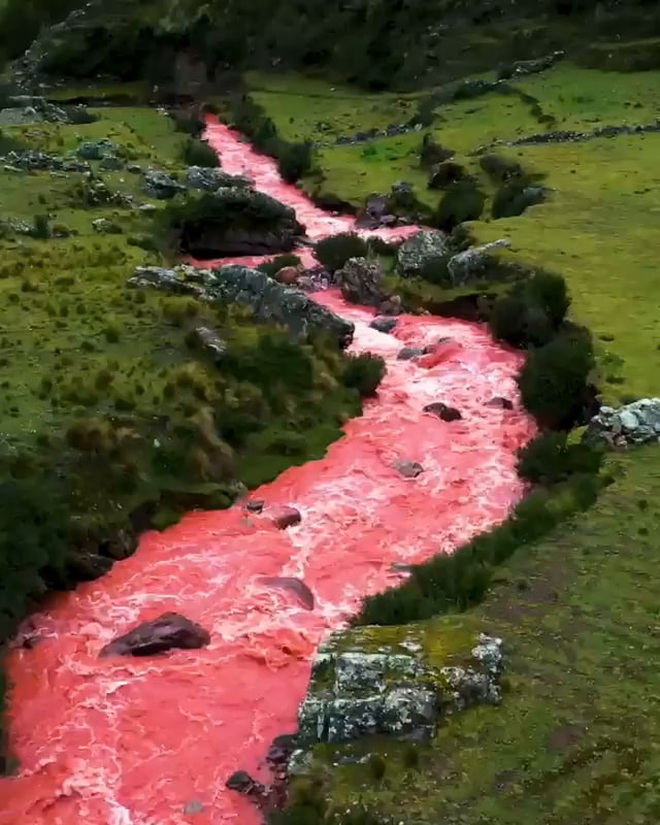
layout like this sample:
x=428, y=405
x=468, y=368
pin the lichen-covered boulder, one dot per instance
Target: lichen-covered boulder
x=360, y=282
x=475, y=264
x=414, y=253
x=632, y=424
x=394, y=689
x=96, y=149
x=208, y=179
x=161, y=185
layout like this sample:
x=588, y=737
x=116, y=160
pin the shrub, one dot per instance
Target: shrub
x=463, y=201
x=333, y=252
x=435, y=271
x=364, y=373
x=532, y=312
x=40, y=227
x=431, y=152
x=549, y=459
x=554, y=381
x=500, y=169
x=271, y=268
x=294, y=160
x=187, y=121
x=198, y=153
x=515, y=197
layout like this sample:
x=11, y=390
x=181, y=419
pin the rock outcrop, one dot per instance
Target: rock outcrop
x=171, y=630
x=476, y=264
x=393, y=690
x=270, y=301
x=632, y=424
x=161, y=185
x=416, y=251
x=360, y=282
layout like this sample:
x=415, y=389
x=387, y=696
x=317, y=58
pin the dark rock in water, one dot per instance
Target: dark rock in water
x=211, y=343
x=409, y=352
x=284, y=517
x=86, y=567
x=409, y=469
x=171, y=630
x=443, y=411
x=120, y=546
x=383, y=324
x=296, y=586
x=502, y=403
x=243, y=783
x=444, y=340
x=280, y=750
x=255, y=506
x=360, y=282
x=391, y=306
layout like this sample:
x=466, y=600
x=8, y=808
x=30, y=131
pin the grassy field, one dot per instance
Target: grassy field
x=576, y=738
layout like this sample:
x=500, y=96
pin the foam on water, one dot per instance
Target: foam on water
x=133, y=741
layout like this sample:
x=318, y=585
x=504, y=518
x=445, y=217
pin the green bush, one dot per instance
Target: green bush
x=271, y=268
x=431, y=152
x=435, y=270
x=364, y=373
x=550, y=459
x=334, y=251
x=198, y=153
x=554, y=381
x=500, y=169
x=463, y=201
x=532, y=312
x=187, y=121
x=294, y=160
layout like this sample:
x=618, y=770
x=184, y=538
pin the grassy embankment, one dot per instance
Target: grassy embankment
x=576, y=737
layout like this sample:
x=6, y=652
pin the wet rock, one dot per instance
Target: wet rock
x=501, y=403
x=391, y=306
x=289, y=275
x=284, y=517
x=280, y=750
x=360, y=282
x=209, y=179
x=86, y=567
x=443, y=411
x=633, y=424
x=160, y=185
x=296, y=586
x=272, y=303
x=255, y=506
x=243, y=783
x=416, y=251
x=355, y=692
x=409, y=469
x=171, y=630
x=383, y=324
x=210, y=342
x=474, y=264
x=407, y=353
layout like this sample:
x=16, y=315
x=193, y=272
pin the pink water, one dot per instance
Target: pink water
x=133, y=741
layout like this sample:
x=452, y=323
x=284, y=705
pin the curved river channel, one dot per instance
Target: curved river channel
x=151, y=741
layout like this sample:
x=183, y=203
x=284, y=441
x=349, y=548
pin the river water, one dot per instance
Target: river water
x=151, y=741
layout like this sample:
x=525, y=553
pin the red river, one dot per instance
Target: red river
x=123, y=741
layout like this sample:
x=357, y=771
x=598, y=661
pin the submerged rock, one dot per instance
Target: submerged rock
x=355, y=693
x=243, y=783
x=171, y=630
x=409, y=469
x=296, y=586
x=443, y=411
x=632, y=424
x=383, y=324
x=501, y=403
x=407, y=353
x=414, y=253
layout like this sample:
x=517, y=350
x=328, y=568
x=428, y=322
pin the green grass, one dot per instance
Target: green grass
x=576, y=738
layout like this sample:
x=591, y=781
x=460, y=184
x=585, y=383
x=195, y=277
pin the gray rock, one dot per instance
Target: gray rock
x=106, y=227
x=409, y=469
x=443, y=411
x=354, y=693
x=211, y=343
x=383, y=324
x=96, y=149
x=632, y=424
x=414, y=253
x=501, y=403
x=407, y=353
x=171, y=630
x=209, y=179
x=270, y=301
x=160, y=185
x=473, y=264
x=360, y=282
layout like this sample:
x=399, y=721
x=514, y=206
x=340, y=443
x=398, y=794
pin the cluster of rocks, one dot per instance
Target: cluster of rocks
x=31, y=160
x=364, y=136
x=27, y=109
x=633, y=424
x=575, y=136
x=270, y=301
x=393, y=690
x=523, y=68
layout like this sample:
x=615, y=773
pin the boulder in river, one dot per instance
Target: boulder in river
x=409, y=469
x=416, y=251
x=284, y=516
x=171, y=630
x=500, y=402
x=443, y=411
x=383, y=324
x=407, y=353
x=360, y=282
